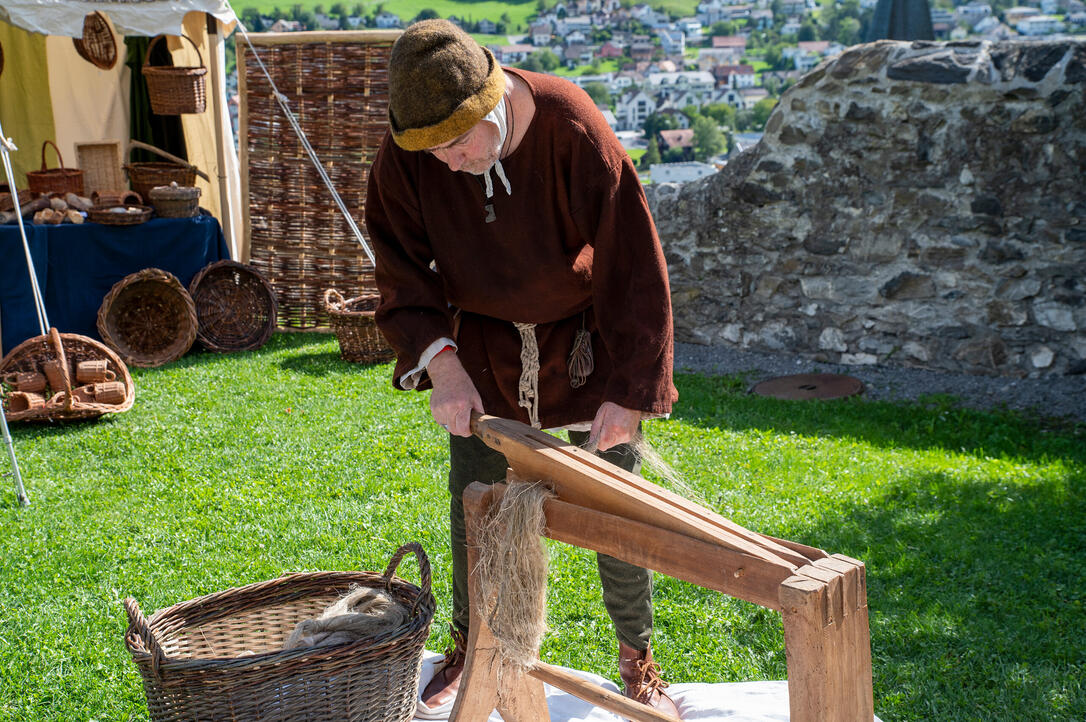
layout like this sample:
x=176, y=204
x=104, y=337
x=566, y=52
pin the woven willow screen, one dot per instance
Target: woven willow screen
x=337, y=86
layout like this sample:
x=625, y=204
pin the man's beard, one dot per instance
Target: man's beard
x=482, y=165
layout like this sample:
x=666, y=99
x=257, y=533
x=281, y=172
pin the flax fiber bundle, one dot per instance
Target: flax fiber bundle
x=512, y=572
x=363, y=613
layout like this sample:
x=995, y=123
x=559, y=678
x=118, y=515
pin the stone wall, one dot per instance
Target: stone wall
x=916, y=204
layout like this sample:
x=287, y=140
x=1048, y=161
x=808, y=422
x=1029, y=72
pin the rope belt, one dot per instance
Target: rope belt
x=528, y=389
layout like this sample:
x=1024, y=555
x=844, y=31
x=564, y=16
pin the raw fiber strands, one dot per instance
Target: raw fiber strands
x=649, y=458
x=512, y=573
x=361, y=614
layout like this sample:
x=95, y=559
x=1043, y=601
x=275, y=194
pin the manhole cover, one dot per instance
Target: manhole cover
x=809, y=386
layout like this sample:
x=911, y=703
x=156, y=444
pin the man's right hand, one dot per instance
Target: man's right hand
x=454, y=395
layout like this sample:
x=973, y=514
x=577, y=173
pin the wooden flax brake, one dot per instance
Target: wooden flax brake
x=822, y=598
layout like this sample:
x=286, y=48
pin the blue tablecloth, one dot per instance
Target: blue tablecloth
x=77, y=265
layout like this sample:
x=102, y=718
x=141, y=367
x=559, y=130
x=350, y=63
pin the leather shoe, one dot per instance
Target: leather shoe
x=442, y=689
x=641, y=677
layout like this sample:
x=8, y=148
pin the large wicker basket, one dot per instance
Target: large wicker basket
x=147, y=175
x=220, y=657
x=235, y=307
x=352, y=321
x=68, y=350
x=148, y=318
x=175, y=90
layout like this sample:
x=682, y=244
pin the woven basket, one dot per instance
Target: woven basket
x=174, y=201
x=175, y=90
x=107, y=198
x=55, y=180
x=352, y=321
x=148, y=318
x=97, y=46
x=145, y=176
x=220, y=657
x=235, y=307
x=101, y=165
x=69, y=349
x=107, y=217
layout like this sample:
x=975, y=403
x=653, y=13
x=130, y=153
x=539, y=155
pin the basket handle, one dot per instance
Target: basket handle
x=59, y=156
x=62, y=359
x=424, y=570
x=169, y=156
x=333, y=299
x=155, y=39
x=138, y=622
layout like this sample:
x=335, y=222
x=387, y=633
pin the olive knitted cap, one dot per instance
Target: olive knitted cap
x=440, y=84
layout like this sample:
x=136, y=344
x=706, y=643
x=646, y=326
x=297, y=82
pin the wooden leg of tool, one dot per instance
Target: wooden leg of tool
x=522, y=698
x=827, y=642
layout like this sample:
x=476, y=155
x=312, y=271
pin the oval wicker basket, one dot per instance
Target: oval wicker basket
x=219, y=657
x=174, y=90
x=352, y=321
x=108, y=217
x=147, y=175
x=236, y=308
x=69, y=349
x=97, y=46
x=54, y=180
x=148, y=318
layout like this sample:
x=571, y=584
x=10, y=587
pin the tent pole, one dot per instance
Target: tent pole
x=20, y=492
x=217, y=61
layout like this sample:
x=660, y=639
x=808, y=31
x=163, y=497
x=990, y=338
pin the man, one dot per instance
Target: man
x=521, y=276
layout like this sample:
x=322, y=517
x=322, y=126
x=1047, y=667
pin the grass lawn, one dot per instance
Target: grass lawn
x=605, y=66
x=237, y=468
x=636, y=153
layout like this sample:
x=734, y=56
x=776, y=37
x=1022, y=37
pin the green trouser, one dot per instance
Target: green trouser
x=627, y=589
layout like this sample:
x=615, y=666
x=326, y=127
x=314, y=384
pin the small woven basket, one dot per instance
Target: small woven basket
x=107, y=216
x=55, y=180
x=174, y=90
x=235, y=307
x=148, y=318
x=174, y=201
x=65, y=352
x=360, y=341
x=220, y=657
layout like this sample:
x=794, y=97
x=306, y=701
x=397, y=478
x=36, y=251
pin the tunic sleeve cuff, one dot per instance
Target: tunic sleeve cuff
x=410, y=380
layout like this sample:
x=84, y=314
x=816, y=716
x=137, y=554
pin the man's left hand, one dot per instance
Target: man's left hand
x=613, y=425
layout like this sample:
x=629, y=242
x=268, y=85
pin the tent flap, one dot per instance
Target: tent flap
x=129, y=18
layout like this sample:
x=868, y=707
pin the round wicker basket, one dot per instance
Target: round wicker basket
x=221, y=657
x=148, y=318
x=236, y=308
x=64, y=352
x=97, y=46
x=174, y=201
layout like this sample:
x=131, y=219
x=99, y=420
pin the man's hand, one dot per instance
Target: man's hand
x=454, y=395
x=613, y=425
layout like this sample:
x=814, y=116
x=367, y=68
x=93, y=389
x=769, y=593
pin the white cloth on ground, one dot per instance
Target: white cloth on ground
x=724, y=702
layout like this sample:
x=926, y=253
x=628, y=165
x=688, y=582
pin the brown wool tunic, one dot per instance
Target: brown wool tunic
x=574, y=244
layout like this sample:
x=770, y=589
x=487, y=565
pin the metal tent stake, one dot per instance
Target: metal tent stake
x=20, y=493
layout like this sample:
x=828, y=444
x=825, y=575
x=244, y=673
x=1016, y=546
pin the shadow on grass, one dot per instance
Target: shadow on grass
x=722, y=402
x=971, y=586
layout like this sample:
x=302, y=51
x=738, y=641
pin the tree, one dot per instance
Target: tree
x=548, y=59
x=426, y=14
x=722, y=28
x=656, y=122
x=708, y=140
x=761, y=111
x=338, y=9
x=251, y=18
x=722, y=113
x=599, y=93
x=807, y=32
x=652, y=155
x=531, y=63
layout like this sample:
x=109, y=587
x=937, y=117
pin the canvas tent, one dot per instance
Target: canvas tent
x=49, y=92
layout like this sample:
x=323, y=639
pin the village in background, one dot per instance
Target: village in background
x=683, y=94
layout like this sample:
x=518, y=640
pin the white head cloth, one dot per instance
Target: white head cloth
x=497, y=117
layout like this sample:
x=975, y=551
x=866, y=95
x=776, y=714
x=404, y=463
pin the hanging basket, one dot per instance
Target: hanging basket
x=220, y=657
x=54, y=180
x=97, y=46
x=360, y=341
x=175, y=90
x=235, y=307
x=148, y=318
x=147, y=176
x=58, y=357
